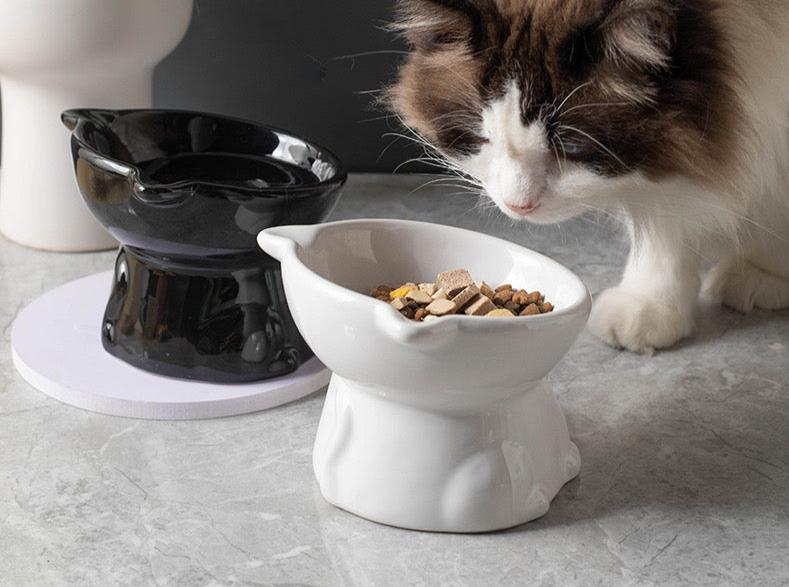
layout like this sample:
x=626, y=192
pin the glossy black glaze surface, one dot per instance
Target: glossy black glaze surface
x=186, y=195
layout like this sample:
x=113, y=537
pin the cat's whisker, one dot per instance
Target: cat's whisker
x=437, y=181
x=385, y=149
x=571, y=94
x=373, y=91
x=595, y=105
x=374, y=119
x=370, y=54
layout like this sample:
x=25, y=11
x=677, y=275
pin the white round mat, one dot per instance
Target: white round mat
x=57, y=348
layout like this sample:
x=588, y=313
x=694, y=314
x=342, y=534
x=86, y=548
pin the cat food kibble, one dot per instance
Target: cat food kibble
x=455, y=292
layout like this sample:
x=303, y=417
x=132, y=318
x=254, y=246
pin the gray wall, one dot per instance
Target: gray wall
x=282, y=62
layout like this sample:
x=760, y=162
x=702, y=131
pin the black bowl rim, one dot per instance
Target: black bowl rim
x=75, y=118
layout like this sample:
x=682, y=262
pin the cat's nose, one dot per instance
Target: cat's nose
x=523, y=209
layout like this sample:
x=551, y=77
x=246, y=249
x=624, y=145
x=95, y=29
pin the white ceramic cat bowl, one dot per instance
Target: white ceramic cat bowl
x=447, y=425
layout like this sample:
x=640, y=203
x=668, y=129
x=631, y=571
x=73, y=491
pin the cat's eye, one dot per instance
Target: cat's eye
x=571, y=149
x=441, y=38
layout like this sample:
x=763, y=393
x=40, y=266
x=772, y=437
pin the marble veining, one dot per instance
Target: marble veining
x=684, y=478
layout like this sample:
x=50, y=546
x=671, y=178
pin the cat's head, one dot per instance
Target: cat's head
x=549, y=103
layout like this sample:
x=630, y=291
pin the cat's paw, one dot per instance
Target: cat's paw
x=639, y=321
x=745, y=287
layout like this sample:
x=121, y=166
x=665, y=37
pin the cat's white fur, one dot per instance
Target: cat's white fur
x=741, y=226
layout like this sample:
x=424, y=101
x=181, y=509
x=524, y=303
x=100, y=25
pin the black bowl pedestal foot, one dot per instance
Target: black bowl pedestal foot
x=221, y=320
x=56, y=347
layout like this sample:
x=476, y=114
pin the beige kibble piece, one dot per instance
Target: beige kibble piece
x=530, y=310
x=440, y=294
x=428, y=288
x=420, y=314
x=546, y=307
x=481, y=307
x=454, y=281
x=419, y=297
x=442, y=307
x=486, y=290
x=466, y=296
x=429, y=317
x=399, y=303
x=534, y=297
x=500, y=313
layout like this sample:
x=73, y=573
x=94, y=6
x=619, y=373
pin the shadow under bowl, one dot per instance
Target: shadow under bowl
x=186, y=193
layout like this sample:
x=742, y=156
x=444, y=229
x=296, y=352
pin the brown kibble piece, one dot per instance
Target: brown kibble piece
x=534, y=297
x=399, y=303
x=503, y=296
x=419, y=297
x=420, y=314
x=521, y=297
x=546, y=307
x=530, y=310
x=499, y=313
x=513, y=307
x=408, y=312
x=486, y=290
x=481, y=307
x=381, y=291
x=442, y=307
x=454, y=281
x=466, y=296
x=503, y=287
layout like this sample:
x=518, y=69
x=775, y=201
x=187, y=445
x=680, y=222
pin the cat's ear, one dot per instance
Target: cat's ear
x=430, y=23
x=639, y=33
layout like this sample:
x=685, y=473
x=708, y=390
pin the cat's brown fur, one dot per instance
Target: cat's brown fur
x=650, y=80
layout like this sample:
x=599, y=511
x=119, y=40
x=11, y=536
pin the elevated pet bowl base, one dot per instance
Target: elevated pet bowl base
x=57, y=348
x=488, y=468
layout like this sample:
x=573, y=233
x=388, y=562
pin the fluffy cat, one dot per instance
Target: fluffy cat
x=670, y=114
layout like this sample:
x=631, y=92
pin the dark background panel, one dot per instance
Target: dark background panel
x=288, y=63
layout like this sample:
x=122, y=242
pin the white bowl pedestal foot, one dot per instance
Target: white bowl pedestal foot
x=495, y=467
x=40, y=205
x=57, y=55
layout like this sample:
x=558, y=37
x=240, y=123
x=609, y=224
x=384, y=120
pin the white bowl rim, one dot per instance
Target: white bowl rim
x=456, y=321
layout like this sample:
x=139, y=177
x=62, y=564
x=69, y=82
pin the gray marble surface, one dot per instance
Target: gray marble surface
x=685, y=476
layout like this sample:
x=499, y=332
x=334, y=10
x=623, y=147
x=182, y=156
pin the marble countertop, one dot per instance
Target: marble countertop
x=685, y=476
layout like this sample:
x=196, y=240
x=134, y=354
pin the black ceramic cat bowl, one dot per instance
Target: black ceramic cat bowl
x=186, y=193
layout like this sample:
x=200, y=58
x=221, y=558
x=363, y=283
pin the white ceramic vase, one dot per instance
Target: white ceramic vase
x=55, y=55
x=447, y=425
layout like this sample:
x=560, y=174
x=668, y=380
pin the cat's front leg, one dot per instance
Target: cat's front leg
x=654, y=305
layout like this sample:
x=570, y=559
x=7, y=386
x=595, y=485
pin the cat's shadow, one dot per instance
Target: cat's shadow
x=717, y=442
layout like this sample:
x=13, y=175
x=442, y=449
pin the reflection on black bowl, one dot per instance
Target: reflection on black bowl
x=186, y=194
